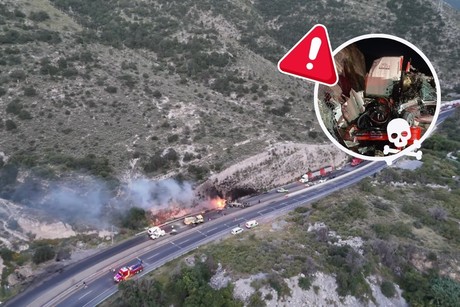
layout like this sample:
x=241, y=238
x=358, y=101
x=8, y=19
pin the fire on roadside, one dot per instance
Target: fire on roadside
x=218, y=203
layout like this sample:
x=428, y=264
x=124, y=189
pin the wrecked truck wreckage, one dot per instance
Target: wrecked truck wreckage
x=357, y=111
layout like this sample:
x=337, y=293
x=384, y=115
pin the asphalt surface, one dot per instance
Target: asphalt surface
x=160, y=251
x=104, y=286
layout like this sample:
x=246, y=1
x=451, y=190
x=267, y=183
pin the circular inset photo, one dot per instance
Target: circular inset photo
x=386, y=101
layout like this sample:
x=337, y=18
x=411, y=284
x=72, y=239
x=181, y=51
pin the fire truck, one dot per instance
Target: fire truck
x=127, y=272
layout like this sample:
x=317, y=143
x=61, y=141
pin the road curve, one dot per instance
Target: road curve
x=64, y=289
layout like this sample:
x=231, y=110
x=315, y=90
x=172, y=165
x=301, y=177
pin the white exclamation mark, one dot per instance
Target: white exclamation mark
x=314, y=48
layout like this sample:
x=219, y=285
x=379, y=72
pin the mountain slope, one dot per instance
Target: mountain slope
x=174, y=83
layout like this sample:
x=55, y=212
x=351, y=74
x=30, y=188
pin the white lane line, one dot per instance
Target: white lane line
x=212, y=229
x=175, y=245
x=202, y=233
x=154, y=255
x=184, y=241
x=85, y=295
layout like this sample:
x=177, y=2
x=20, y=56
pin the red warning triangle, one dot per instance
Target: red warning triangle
x=311, y=58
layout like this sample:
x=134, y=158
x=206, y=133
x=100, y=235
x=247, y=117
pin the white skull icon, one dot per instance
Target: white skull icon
x=398, y=131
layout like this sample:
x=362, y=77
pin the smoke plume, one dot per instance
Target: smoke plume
x=85, y=200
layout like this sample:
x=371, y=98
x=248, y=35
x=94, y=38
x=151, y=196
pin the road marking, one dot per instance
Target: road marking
x=154, y=255
x=213, y=229
x=85, y=295
x=202, y=233
x=175, y=245
x=184, y=241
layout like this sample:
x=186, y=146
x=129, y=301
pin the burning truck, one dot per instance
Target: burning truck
x=358, y=110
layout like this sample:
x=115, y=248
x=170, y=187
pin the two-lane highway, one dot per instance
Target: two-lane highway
x=65, y=288
x=104, y=286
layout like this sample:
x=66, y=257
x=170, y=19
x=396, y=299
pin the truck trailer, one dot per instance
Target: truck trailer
x=310, y=176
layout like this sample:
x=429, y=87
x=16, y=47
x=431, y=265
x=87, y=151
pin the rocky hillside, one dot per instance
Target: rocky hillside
x=161, y=86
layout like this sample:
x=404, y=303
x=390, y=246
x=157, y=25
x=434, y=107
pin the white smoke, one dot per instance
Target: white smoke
x=162, y=194
x=87, y=200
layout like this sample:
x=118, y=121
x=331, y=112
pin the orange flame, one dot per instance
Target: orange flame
x=218, y=203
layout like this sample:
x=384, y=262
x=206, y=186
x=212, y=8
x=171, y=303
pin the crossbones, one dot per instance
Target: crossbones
x=416, y=154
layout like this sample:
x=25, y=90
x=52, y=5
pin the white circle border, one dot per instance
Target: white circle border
x=390, y=158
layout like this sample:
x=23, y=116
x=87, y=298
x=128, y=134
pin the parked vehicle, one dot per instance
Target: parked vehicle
x=194, y=220
x=282, y=190
x=155, y=232
x=236, y=230
x=251, y=224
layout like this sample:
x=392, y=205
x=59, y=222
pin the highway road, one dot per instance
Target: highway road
x=64, y=289
x=104, y=286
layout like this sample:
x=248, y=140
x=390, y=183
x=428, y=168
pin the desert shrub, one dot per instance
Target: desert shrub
x=6, y=254
x=348, y=266
x=111, y=89
x=199, y=172
x=171, y=155
x=279, y=285
x=388, y=289
x=10, y=125
x=445, y=292
x=70, y=72
x=24, y=114
x=14, y=107
x=156, y=94
x=256, y=300
x=313, y=134
x=356, y=209
x=39, y=16
x=172, y=138
x=416, y=287
x=134, y=219
x=305, y=283
x=48, y=69
x=43, y=253
x=188, y=156
x=301, y=210
x=18, y=75
x=30, y=91
x=399, y=229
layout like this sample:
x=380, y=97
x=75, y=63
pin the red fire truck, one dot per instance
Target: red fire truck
x=127, y=272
